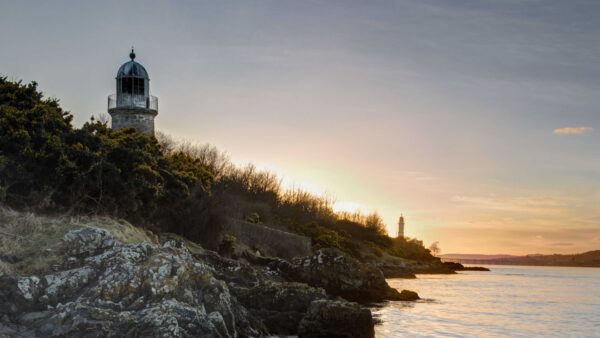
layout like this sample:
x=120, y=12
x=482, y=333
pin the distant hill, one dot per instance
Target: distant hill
x=586, y=259
x=452, y=256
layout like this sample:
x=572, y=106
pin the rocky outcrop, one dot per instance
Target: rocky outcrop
x=327, y=318
x=459, y=267
x=112, y=289
x=430, y=268
x=391, y=270
x=280, y=306
x=474, y=268
x=341, y=275
x=168, y=288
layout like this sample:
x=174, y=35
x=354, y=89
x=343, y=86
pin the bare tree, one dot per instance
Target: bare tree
x=435, y=248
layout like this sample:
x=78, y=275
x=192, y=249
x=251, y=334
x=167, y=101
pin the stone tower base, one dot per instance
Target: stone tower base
x=141, y=120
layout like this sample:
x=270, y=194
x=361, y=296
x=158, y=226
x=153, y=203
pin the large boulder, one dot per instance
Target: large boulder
x=341, y=275
x=280, y=306
x=326, y=318
x=111, y=289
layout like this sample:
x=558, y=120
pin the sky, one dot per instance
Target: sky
x=477, y=120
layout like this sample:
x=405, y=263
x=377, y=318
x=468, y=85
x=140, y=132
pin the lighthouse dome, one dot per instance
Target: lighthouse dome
x=132, y=69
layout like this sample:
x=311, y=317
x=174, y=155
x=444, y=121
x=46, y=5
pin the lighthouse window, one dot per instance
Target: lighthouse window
x=127, y=85
x=138, y=86
x=133, y=85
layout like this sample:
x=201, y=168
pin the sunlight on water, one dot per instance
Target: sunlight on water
x=509, y=301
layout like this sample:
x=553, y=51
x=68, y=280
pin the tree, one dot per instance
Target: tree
x=435, y=248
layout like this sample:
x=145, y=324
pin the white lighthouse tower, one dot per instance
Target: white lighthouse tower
x=401, y=227
x=132, y=106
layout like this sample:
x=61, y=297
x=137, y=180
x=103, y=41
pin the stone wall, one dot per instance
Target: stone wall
x=269, y=241
x=140, y=119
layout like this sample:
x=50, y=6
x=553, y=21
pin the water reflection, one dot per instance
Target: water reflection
x=508, y=301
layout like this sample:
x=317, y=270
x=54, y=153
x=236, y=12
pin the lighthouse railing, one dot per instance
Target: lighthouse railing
x=132, y=101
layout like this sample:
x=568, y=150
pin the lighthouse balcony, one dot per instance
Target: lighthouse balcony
x=132, y=101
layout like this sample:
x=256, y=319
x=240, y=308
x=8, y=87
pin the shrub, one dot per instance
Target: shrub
x=227, y=245
x=47, y=164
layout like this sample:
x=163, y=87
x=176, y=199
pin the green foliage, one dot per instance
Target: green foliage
x=32, y=131
x=375, y=248
x=411, y=249
x=47, y=164
x=253, y=218
x=326, y=238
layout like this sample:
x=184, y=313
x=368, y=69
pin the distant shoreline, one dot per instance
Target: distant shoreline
x=590, y=259
x=537, y=265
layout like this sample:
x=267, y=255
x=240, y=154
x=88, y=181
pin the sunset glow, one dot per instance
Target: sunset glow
x=480, y=126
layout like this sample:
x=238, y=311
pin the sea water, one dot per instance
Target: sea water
x=508, y=301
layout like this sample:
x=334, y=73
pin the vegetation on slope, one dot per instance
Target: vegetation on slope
x=48, y=165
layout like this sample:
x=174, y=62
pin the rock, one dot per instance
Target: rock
x=326, y=318
x=409, y=295
x=9, y=258
x=442, y=268
x=88, y=241
x=394, y=270
x=341, y=275
x=459, y=267
x=280, y=306
x=474, y=268
x=433, y=267
x=99, y=287
x=124, y=290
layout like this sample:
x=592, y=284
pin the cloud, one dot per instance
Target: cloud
x=561, y=244
x=531, y=203
x=572, y=130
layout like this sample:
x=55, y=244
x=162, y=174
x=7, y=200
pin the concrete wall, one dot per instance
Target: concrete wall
x=132, y=118
x=269, y=241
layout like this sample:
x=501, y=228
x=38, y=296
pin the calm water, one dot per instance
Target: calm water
x=509, y=301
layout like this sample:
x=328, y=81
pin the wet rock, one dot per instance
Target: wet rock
x=326, y=318
x=408, y=295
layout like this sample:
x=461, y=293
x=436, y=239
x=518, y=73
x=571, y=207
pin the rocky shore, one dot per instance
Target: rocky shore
x=412, y=268
x=100, y=285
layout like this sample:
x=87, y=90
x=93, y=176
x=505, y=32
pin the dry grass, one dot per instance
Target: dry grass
x=36, y=241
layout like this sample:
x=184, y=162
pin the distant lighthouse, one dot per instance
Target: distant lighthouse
x=401, y=227
x=132, y=106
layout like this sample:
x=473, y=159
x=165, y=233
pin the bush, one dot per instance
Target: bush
x=227, y=245
x=46, y=164
x=411, y=249
x=50, y=166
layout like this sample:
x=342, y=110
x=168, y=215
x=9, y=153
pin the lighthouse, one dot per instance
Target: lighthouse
x=132, y=106
x=401, y=227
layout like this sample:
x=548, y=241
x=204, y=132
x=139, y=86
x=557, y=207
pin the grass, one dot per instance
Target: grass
x=36, y=241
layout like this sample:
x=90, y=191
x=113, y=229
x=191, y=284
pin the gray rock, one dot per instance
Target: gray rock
x=88, y=241
x=105, y=288
x=118, y=290
x=341, y=275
